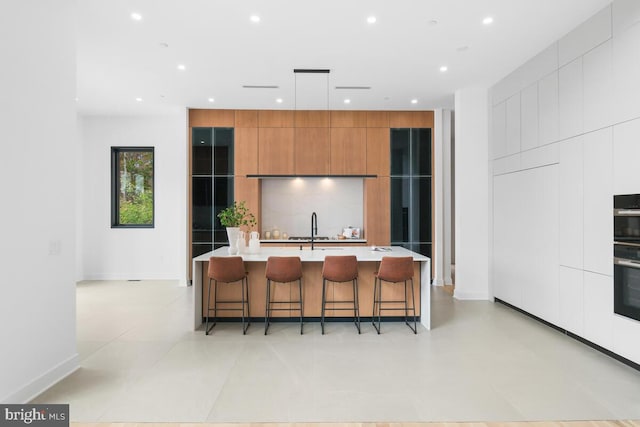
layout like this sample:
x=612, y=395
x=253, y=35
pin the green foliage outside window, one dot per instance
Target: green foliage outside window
x=132, y=176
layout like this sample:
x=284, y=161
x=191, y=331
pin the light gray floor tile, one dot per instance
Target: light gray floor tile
x=141, y=361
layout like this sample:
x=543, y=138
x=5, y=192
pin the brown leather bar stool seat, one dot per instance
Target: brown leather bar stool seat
x=394, y=270
x=283, y=270
x=341, y=269
x=228, y=270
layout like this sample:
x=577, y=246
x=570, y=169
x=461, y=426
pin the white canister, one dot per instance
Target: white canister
x=242, y=242
x=254, y=242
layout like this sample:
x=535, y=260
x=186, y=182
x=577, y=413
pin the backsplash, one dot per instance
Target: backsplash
x=288, y=204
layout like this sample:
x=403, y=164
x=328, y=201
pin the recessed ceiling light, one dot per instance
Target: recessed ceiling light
x=181, y=67
x=139, y=99
x=488, y=20
x=443, y=68
x=414, y=101
x=347, y=101
x=279, y=100
x=254, y=18
x=211, y=100
x=136, y=16
x=371, y=19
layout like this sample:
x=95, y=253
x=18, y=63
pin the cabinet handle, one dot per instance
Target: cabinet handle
x=627, y=212
x=626, y=263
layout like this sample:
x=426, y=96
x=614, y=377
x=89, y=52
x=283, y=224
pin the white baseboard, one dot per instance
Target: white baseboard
x=437, y=282
x=29, y=391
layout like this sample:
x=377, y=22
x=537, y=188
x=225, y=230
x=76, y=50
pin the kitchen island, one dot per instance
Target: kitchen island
x=312, y=260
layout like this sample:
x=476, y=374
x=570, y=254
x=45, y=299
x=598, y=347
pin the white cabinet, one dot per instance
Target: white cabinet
x=570, y=100
x=548, y=108
x=508, y=263
x=525, y=261
x=571, y=293
x=513, y=124
x=539, y=230
x=570, y=203
x=626, y=69
x=598, y=201
x=499, y=128
x=598, y=309
x=529, y=117
x=598, y=87
x=626, y=152
x=625, y=337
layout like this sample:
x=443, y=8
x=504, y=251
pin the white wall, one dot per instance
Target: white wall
x=571, y=116
x=38, y=184
x=117, y=254
x=472, y=194
x=288, y=204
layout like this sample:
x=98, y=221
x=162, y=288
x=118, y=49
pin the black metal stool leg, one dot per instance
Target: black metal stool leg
x=413, y=299
x=206, y=327
x=301, y=312
x=324, y=302
x=248, y=305
x=356, y=307
x=266, y=311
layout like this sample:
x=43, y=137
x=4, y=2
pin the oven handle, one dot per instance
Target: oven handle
x=626, y=263
x=626, y=212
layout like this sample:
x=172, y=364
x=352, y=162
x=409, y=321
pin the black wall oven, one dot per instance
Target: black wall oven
x=626, y=252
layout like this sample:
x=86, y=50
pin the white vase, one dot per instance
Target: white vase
x=232, y=235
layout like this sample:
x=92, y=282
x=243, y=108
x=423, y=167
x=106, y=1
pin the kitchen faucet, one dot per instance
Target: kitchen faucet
x=314, y=227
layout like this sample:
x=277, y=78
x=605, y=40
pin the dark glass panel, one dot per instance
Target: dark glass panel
x=220, y=236
x=421, y=151
x=420, y=223
x=400, y=151
x=202, y=236
x=223, y=151
x=222, y=197
x=400, y=199
x=201, y=150
x=199, y=249
x=202, y=196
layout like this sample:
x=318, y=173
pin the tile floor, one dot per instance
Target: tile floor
x=140, y=361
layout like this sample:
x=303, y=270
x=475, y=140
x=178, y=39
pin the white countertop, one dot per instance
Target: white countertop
x=320, y=241
x=363, y=253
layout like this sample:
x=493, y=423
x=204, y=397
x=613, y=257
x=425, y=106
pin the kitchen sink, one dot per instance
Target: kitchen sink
x=308, y=238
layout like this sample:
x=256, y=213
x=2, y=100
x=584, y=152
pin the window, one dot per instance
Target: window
x=132, y=187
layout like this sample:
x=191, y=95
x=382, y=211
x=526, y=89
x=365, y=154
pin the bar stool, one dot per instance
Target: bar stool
x=283, y=270
x=228, y=270
x=341, y=269
x=394, y=270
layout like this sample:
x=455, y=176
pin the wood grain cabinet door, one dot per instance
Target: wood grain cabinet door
x=312, y=151
x=275, y=151
x=348, y=151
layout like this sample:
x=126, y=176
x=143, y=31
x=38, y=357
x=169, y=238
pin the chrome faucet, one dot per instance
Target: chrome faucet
x=314, y=227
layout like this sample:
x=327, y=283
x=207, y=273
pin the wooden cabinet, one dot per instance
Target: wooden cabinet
x=246, y=118
x=348, y=151
x=248, y=189
x=348, y=119
x=377, y=215
x=312, y=151
x=246, y=151
x=275, y=119
x=411, y=119
x=211, y=118
x=378, y=151
x=312, y=119
x=275, y=151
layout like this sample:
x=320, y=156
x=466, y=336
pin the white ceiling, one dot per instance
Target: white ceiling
x=399, y=56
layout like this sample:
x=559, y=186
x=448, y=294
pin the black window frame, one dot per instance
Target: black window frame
x=115, y=186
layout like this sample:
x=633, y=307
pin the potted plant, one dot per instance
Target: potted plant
x=233, y=217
